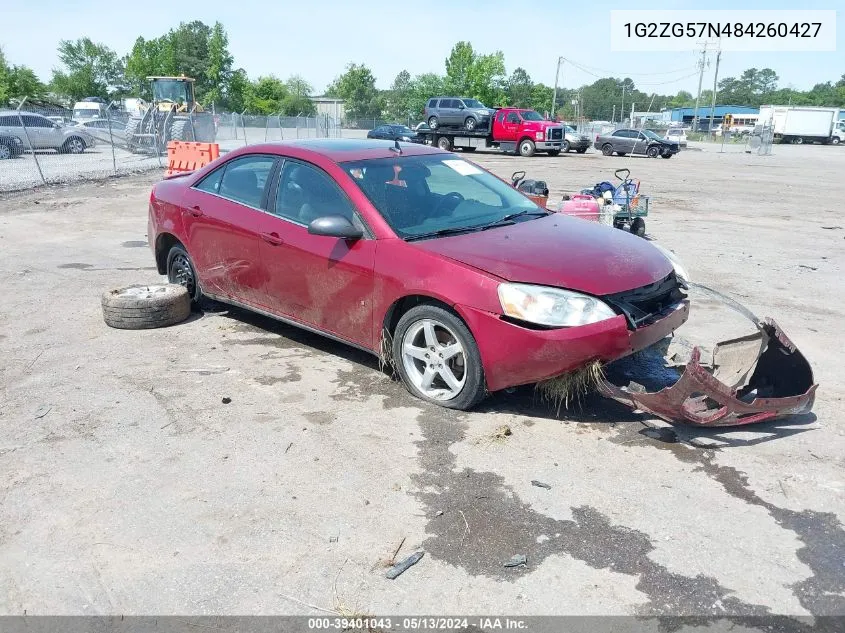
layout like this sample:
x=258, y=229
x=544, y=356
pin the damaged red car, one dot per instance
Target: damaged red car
x=416, y=255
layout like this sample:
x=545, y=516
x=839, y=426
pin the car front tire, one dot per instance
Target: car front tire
x=607, y=149
x=5, y=152
x=438, y=359
x=433, y=123
x=74, y=145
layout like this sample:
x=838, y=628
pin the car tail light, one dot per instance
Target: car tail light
x=597, y=138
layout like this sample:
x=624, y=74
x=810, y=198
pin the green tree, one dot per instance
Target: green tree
x=4, y=79
x=220, y=62
x=17, y=82
x=298, y=100
x=399, y=96
x=357, y=87
x=266, y=95
x=482, y=77
x=90, y=70
x=541, y=98
x=423, y=87
x=520, y=88
x=237, y=91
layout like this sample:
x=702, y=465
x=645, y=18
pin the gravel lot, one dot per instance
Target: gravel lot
x=129, y=487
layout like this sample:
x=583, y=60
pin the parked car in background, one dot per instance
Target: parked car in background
x=676, y=134
x=460, y=275
x=44, y=133
x=463, y=112
x=395, y=132
x=629, y=141
x=104, y=130
x=10, y=146
x=574, y=140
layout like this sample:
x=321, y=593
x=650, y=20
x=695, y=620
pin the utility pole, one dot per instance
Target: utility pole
x=632, y=114
x=701, y=65
x=713, y=100
x=554, y=94
x=613, y=116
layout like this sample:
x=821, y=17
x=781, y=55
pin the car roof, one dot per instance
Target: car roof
x=340, y=150
x=15, y=112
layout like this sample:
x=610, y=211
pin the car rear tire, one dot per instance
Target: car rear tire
x=607, y=149
x=566, y=147
x=444, y=143
x=433, y=123
x=181, y=272
x=583, y=150
x=526, y=148
x=470, y=124
x=74, y=145
x=142, y=307
x=5, y=152
x=666, y=155
x=438, y=359
x=554, y=152
x=653, y=152
x=621, y=153
x=468, y=149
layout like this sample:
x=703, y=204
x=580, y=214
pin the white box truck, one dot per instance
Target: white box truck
x=802, y=124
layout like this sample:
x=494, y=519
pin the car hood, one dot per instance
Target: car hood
x=559, y=251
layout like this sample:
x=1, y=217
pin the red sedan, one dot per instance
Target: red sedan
x=415, y=254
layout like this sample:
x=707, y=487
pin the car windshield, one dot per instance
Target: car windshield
x=530, y=115
x=473, y=103
x=403, y=129
x=422, y=195
x=650, y=134
x=570, y=130
x=675, y=132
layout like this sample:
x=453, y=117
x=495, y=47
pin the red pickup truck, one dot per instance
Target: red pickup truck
x=511, y=130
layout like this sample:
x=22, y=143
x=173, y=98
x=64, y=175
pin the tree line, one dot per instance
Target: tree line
x=195, y=49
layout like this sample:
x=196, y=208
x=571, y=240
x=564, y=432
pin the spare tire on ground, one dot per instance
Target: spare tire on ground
x=145, y=306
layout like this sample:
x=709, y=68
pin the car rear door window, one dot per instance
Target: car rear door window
x=30, y=120
x=242, y=180
x=10, y=121
x=513, y=117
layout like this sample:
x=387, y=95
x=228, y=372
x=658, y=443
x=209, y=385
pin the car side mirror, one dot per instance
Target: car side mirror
x=461, y=107
x=335, y=226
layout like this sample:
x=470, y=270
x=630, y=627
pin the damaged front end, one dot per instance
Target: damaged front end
x=742, y=380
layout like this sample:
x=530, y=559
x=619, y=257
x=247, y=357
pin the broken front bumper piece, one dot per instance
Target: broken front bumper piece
x=750, y=379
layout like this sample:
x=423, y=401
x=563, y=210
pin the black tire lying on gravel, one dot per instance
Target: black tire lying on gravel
x=141, y=307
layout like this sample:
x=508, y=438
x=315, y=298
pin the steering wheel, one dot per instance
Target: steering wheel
x=452, y=195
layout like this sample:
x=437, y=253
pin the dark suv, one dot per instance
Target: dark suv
x=457, y=112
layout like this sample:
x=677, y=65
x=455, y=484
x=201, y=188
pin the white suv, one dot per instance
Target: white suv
x=676, y=134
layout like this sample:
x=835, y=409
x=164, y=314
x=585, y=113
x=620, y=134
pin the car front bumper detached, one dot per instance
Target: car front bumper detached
x=749, y=379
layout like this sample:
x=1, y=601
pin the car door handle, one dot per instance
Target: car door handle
x=195, y=211
x=272, y=238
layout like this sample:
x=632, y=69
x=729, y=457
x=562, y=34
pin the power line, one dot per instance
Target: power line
x=613, y=72
x=656, y=83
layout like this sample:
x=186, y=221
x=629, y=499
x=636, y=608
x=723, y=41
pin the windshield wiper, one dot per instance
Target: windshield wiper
x=441, y=232
x=509, y=219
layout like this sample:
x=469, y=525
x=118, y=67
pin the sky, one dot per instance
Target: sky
x=318, y=39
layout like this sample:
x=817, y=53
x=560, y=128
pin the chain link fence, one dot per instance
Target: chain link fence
x=50, y=145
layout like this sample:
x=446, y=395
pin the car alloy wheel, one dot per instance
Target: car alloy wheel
x=75, y=146
x=433, y=123
x=470, y=123
x=434, y=359
x=653, y=152
x=607, y=149
x=565, y=147
x=5, y=152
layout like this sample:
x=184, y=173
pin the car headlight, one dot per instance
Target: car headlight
x=554, y=307
x=16, y=141
x=539, y=135
x=680, y=270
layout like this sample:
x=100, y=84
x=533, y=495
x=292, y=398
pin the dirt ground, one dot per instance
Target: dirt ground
x=128, y=487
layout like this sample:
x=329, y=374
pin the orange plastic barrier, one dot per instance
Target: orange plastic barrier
x=183, y=156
